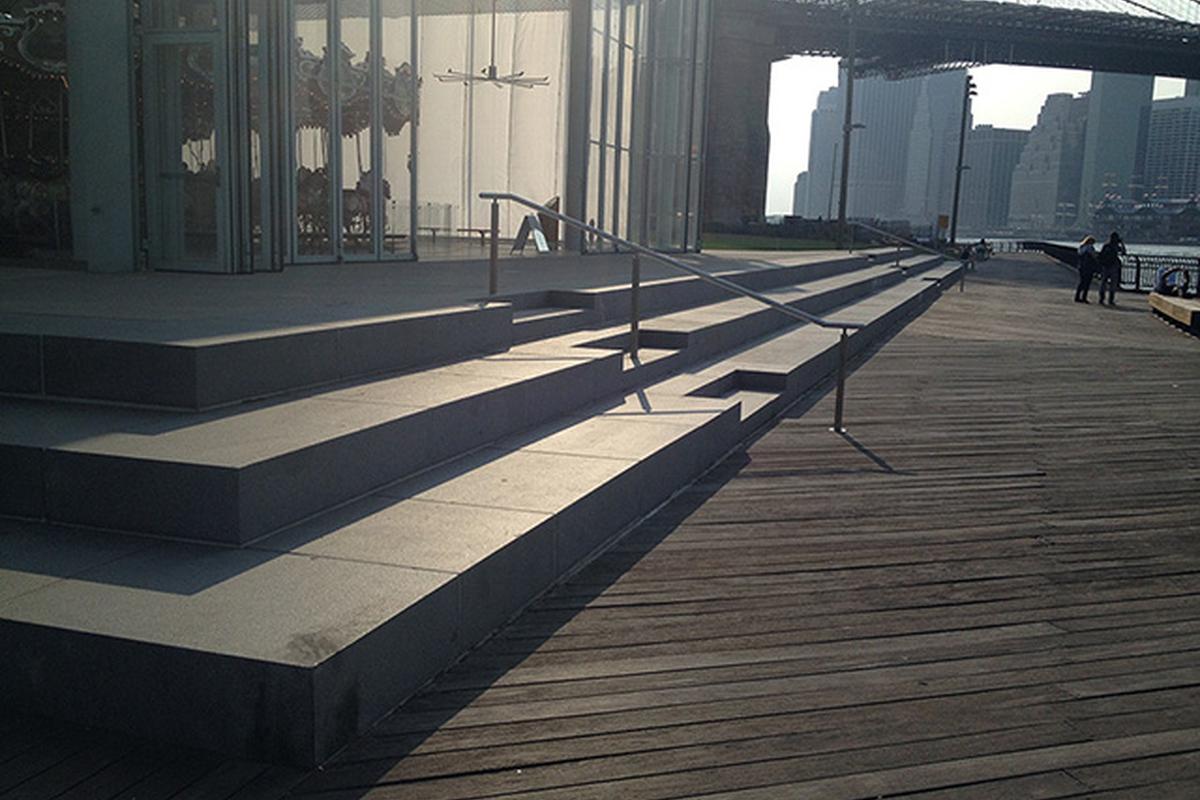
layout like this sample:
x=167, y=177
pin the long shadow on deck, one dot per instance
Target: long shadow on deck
x=366, y=763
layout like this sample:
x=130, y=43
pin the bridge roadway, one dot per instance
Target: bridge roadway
x=991, y=589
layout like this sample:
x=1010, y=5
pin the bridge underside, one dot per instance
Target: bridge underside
x=901, y=38
x=906, y=37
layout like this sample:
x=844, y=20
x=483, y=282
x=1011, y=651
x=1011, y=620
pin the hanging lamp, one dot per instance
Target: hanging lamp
x=491, y=73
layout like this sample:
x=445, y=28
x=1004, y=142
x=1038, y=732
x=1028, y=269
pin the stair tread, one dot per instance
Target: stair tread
x=428, y=566
x=527, y=315
x=252, y=432
x=372, y=558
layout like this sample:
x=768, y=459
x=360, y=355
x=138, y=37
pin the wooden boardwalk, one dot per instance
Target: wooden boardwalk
x=990, y=589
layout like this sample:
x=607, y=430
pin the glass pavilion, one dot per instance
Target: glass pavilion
x=248, y=135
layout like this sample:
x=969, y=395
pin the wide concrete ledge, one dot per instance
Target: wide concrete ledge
x=181, y=365
x=237, y=474
x=286, y=648
x=1179, y=310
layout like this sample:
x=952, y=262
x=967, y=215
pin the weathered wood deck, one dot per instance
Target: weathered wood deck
x=990, y=589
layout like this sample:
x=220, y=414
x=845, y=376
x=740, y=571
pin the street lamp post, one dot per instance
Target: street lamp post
x=848, y=117
x=833, y=165
x=968, y=93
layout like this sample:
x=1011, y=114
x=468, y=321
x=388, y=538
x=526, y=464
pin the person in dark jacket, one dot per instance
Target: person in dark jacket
x=1109, y=261
x=1086, y=263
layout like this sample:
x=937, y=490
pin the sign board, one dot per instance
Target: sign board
x=531, y=226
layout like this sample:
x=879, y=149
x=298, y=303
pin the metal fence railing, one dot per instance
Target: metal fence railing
x=1138, y=270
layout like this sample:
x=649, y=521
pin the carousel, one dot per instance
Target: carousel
x=34, y=188
x=313, y=116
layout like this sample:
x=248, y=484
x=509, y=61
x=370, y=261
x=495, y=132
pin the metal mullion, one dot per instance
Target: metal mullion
x=334, y=50
x=691, y=127
x=710, y=36
x=273, y=131
x=237, y=77
x=291, y=199
x=413, y=124
x=649, y=75
x=601, y=193
x=377, y=131
x=635, y=112
x=620, y=121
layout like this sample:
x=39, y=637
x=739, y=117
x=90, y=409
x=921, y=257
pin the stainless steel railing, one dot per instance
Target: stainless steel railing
x=638, y=251
x=962, y=280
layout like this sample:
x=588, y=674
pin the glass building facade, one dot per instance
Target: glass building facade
x=265, y=133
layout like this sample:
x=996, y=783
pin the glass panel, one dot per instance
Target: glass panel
x=255, y=118
x=184, y=167
x=357, y=116
x=399, y=92
x=312, y=78
x=35, y=209
x=182, y=14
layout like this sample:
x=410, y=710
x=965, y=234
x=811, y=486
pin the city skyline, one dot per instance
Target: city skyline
x=1009, y=97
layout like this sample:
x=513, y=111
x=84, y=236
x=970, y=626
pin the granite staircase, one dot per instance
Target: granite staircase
x=261, y=544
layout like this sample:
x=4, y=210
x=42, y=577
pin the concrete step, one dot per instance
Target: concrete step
x=211, y=363
x=695, y=334
x=199, y=364
x=241, y=472
x=532, y=324
x=286, y=648
x=236, y=474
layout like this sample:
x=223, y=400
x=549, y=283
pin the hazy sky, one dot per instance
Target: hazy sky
x=1009, y=97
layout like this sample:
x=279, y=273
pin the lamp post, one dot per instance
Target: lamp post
x=848, y=116
x=969, y=91
x=832, y=179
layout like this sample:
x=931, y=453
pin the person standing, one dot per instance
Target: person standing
x=1109, y=261
x=1086, y=263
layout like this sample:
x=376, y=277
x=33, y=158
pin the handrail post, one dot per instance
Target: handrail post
x=635, y=305
x=962, y=280
x=840, y=403
x=494, y=252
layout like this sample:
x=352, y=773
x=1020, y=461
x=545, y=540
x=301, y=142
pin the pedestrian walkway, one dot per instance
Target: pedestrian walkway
x=990, y=587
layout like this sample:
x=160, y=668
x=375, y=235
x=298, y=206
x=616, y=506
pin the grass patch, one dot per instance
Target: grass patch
x=741, y=241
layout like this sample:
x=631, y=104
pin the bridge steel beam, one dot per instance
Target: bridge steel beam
x=738, y=139
x=906, y=37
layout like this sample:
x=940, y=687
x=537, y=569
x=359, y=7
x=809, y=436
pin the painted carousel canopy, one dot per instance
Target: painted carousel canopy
x=33, y=42
x=314, y=80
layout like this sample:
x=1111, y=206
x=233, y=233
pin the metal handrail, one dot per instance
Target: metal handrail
x=638, y=249
x=896, y=238
x=635, y=285
x=962, y=280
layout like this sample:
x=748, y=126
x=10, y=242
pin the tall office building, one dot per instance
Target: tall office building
x=933, y=147
x=901, y=159
x=800, y=195
x=1173, y=152
x=992, y=155
x=879, y=153
x=1115, y=146
x=1045, y=184
x=824, y=148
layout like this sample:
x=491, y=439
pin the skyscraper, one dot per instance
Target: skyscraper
x=823, y=146
x=1118, y=114
x=800, y=195
x=932, y=147
x=879, y=153
x=1173, y=152
x=1045, y=184
x=992, y=155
